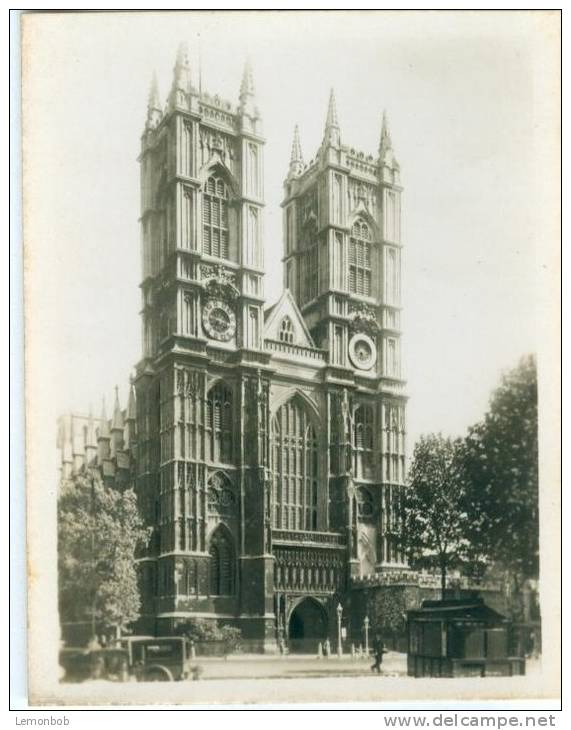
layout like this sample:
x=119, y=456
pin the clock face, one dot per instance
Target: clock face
x=219, y=320
x=362, y=352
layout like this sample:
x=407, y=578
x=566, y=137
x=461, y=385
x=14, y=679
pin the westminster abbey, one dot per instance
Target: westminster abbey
x=266, y=444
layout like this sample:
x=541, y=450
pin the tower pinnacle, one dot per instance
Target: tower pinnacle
x=131, y=407
x=386, y=141
x=104, y=429
x=154, y=111
x=154, y=101
x=117, y=423
x=296, y=160
x=386, y=152
x=247, y=101
x=332, y=136
x=181, y=77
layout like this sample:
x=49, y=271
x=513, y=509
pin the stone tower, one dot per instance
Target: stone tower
x=201, y=385
x=342, y=264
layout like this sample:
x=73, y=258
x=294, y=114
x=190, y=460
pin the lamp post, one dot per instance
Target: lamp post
x=339, y=614
x=366, y=627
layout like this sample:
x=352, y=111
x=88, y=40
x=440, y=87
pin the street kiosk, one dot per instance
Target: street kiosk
x=459, y=638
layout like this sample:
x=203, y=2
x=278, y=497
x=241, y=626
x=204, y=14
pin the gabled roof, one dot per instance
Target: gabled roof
x=286, y=307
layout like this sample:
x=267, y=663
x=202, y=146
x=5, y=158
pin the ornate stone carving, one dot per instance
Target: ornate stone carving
x=363, y=318
x=221, y=498
x=213, y=141
x=219, y=282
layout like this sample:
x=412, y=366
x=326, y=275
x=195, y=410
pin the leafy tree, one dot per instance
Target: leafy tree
x=199, y=629
x=202, y=630
x=99, y=530
x=501, y=463
x=432, y=507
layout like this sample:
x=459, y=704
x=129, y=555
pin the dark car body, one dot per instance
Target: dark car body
x=146, y=658
x=158, y=659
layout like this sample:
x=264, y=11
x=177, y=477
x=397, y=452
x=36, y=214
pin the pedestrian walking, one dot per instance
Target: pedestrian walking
x=378, y=651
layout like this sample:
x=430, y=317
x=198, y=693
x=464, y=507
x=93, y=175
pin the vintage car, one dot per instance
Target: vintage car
x=144, y=658
x=160, y=659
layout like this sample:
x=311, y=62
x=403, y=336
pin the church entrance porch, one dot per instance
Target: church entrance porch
x=307, y=627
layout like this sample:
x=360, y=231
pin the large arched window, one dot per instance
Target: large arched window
x=221, y=566
x=363, y=440
x=219, y=423
x=360, y=259
x=215, y=240
x=295, y=465
x=286, y=332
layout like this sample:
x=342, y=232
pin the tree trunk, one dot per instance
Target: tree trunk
x=443, y=579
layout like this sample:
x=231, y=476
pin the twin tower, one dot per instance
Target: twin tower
x=270, y=442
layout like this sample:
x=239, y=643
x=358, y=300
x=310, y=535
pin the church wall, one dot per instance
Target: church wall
x=237, y=536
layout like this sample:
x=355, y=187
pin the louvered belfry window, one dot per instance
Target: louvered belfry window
x=221, y=564
x=219, y=423
x=360, y=259
x=295, y=466
x=215, y=218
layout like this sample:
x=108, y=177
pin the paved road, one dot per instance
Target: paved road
x=296, y=665
x=268, y=680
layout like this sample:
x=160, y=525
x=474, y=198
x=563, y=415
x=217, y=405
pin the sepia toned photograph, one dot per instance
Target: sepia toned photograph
x=292, y=371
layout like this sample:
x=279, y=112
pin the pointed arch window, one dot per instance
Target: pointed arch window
x=221, y=564
x=365, y=505
x=215, y=239
x=286, y=331
x=360, y=259
x=310, y=261
x=219, y=419
x=363, y=440
x=295, y=467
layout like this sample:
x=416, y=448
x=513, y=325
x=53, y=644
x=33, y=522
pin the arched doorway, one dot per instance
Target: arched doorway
x=307, y=627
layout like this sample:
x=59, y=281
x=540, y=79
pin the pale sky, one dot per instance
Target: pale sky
x=467, y=109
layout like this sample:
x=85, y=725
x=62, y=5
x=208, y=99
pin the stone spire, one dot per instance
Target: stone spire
x=131, y=419
x=104, y=428
x=386, y=142
x=332, y=135
x=90, y=441
x=154, y=111
x=386, y=153
x=117, y=425
x=247, y=103
x=104, y=436
x=296, y=160
x=131, y=405
x=181, y=77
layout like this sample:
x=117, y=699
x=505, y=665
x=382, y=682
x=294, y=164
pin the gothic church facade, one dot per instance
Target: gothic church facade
x=266, y=444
